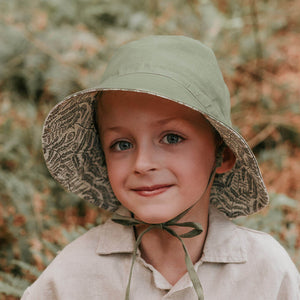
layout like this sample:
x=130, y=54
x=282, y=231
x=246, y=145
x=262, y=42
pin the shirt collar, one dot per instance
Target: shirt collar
x=116, y=238
x=224, y=242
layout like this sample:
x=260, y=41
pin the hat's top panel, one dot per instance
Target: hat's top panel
x=183, y=60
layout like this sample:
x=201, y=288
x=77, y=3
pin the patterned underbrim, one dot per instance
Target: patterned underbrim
x=75, y=159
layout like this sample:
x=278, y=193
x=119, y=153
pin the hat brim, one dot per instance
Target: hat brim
x=74, y=157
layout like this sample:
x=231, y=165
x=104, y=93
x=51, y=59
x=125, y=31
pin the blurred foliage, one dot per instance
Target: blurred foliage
x=50, y=49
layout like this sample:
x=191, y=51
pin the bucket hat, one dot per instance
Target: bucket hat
x=176, y=68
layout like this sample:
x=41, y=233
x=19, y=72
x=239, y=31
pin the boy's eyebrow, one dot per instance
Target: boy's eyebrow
x=168, y=120
x=176, y=121
x=113, y=128
x=157, y=123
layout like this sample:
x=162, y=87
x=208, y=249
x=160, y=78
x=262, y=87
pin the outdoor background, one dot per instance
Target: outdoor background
x=50, y=49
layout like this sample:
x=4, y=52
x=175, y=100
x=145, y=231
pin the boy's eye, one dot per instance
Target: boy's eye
x=172, y=139
x=121, y=146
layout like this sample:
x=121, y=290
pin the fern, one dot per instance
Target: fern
x=12, y=285
x=27, y=267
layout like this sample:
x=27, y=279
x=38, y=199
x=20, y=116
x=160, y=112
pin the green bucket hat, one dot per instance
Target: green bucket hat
x=176, y=68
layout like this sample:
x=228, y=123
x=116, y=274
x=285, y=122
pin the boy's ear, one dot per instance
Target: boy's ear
x=228, y=161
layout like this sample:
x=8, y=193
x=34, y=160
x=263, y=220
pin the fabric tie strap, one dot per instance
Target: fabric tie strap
x=196, y=229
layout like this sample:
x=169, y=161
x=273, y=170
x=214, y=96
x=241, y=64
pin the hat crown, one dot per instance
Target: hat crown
x=182, y=59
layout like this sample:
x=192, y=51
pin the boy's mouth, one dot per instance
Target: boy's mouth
x=152, y=190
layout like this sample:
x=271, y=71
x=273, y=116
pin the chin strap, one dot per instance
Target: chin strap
x=195, y=227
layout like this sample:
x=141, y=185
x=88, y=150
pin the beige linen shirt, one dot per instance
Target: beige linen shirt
x=237, y=263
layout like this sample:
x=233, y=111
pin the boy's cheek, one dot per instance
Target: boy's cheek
x=117, y=175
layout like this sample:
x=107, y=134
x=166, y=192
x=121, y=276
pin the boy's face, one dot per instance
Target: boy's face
x=159, y=154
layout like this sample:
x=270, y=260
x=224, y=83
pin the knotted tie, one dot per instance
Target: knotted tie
x=196, y=229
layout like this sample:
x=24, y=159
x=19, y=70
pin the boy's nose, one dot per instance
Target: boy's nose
x=146, y=159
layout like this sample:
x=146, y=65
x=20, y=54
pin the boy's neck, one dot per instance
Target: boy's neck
x=165, y=253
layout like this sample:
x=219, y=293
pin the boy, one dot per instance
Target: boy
x=155, y=142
